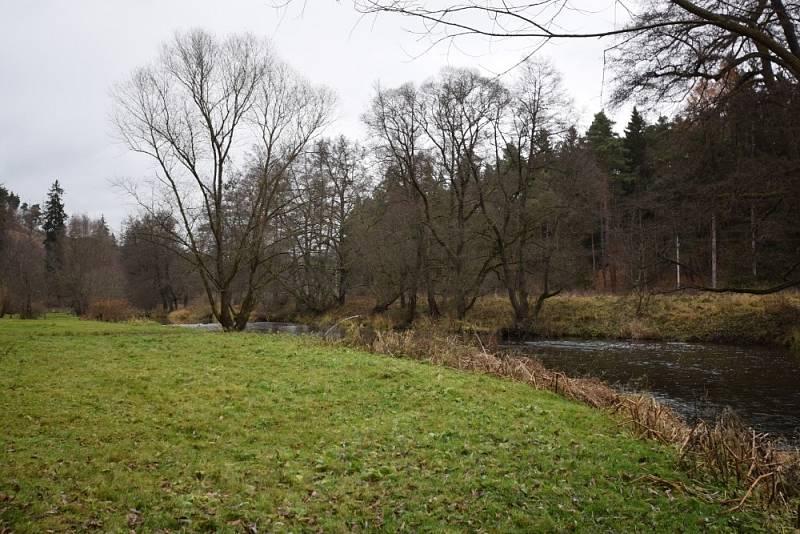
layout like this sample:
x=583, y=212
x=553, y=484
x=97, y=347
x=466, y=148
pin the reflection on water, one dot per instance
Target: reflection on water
x=266, y=327
x=762, y=385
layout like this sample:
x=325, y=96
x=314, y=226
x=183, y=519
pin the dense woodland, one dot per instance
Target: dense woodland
x=466, y=185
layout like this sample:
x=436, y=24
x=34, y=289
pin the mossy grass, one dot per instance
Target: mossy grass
x=114, y=427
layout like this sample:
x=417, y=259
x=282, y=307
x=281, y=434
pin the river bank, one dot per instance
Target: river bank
x=770, y=320
x=184, y=429
x=725, y=447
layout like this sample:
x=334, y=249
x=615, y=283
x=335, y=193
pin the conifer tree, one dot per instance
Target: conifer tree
x=635, y=143
x=606, y=145
x=54, y=226
x=55, y=218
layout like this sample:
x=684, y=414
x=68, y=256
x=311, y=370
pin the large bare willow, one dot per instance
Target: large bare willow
x=205, y=103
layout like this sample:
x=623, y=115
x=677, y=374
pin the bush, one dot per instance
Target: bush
x=180, y=316
x=110, y=310
x=158, y=315
x=34, y=311
x=196, y=312
x=4, y=300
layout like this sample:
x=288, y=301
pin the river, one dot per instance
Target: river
x=762, y=385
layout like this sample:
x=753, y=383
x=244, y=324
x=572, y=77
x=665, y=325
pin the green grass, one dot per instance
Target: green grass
x=110, y=427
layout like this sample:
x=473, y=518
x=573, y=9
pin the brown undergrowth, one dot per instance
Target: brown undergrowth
x=764, y=320
x=749, y=462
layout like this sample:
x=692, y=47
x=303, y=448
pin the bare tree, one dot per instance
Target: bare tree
x=387, y=228
x=92, y=268
x=328, y=186
x=24, y=274
x=521, y=217
x=763, y=30
x=738, y=43
x=156, y=273
x=343, y=164
x=396, y=117
x=197, y=107
x=459, y=109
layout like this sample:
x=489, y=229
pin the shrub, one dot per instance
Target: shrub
x=180, y=316
x=259, y=314
x=158, y=315
x=4, y=300
x=196, y=312
x=33, y=311
x=110, y=310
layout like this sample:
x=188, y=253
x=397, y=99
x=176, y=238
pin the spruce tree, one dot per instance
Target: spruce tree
x=606, y=145
x=54, y=226
x=55, y=218
x=635, y=143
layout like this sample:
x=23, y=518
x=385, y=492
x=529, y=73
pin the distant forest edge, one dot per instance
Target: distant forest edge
x=466, y=186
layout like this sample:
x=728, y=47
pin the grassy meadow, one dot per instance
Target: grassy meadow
x=120, y=427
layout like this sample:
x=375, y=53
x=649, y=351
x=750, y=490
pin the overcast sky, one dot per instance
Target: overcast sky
x=60, y=59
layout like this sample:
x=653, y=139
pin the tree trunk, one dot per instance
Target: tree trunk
x=461, y=304
x=545, y=293
x=243, y=315
x=678, y=261
x=714, y=250
x=224, y=317
x=520, y=305
x=753, y=247
x=433, y=306
x=411, y=306
x=382, y=307
x=341, y=281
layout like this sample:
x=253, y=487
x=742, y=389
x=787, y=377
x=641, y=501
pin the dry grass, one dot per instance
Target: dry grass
x=110, y=310
x=198, y=311
x=727, y=449
x=741, y=319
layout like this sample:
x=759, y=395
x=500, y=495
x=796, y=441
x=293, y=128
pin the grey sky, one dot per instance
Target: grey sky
x=60, y=59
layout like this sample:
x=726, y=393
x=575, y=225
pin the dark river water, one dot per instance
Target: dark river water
x=762, y=385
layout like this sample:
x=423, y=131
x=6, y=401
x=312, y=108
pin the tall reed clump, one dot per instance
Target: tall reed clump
x=110, y=310
x=727, y=449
